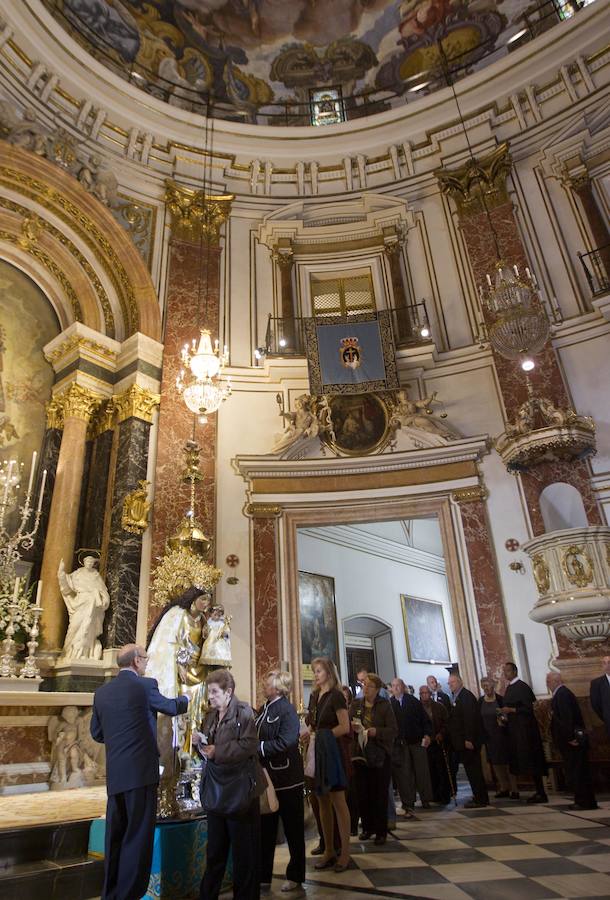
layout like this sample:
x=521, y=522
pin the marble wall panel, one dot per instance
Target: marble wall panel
x=191, y=273
x=92, y=529
x=486, y=587
x=24, y=744
x=122, y=572
x=266, y=601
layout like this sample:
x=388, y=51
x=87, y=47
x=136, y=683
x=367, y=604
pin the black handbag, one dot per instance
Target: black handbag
x=228, y=790
x=374, y=754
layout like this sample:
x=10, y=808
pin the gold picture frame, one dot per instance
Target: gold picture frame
x=318, y=617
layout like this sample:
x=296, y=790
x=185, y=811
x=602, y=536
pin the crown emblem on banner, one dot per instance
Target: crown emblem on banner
x=350, y=352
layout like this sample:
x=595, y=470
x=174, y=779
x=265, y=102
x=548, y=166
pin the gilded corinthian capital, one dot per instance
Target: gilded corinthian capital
x=479, y=183
x=135, y=402
x=194, y=213
x=75, y=402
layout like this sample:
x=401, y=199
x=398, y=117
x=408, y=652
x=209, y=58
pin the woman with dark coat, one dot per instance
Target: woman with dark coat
x=278, y=729
x=495, y=738
x=228, y=737
x=373, y=715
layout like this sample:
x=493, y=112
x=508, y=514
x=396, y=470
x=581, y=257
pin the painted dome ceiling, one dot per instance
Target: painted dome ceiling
x=262, y=60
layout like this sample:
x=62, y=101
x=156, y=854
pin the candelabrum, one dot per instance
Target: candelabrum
x=30, y=668
x=8, y=662
x=13, y=541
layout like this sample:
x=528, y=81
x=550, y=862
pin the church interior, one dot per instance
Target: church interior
x=306, y=304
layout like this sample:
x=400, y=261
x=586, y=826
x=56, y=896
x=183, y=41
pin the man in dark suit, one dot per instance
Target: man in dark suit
x=124, y=720
x=436, y=692
x=600, y=694
x=410, y=769
x=568, y=733
x=465, y=733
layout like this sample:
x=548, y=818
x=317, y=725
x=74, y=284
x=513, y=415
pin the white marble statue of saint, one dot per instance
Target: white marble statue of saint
x=87, y=599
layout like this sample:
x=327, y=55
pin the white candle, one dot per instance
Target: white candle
x=32, y=470
x=16, y=591
x=488, y=279
x=41, y=494
x=516, y=271
x=527, y=272
x=38, y=593
x=7, y=483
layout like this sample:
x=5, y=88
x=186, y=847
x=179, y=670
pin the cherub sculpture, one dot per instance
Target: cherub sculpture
x=418, y=415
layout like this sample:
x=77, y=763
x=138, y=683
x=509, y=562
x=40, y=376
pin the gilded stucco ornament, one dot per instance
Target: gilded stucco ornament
x=542, y=573
x=75, y=402
x=474, y=494
x=195, y=213
x=136, y=509
x=477, y=179
x=136, y=402
x=577, y=565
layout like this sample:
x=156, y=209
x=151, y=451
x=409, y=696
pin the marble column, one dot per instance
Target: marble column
x=77, y=405
x=266, y=613
x=284, y=260
x=124, y=548
x=485, y=579
x=92, y=531
x=466, y=186
x=193, y=268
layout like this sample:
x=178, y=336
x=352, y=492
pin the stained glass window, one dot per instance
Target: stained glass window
x=326, y=106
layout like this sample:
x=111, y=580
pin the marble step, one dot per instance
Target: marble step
x=67, y=878
x=48, y=842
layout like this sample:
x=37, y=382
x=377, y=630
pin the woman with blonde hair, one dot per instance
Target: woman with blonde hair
x=278, y=729
x=328, y=720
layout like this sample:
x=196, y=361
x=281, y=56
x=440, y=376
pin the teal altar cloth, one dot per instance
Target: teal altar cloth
x=178, y=858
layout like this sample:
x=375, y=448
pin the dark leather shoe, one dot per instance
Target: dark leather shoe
x=380, y=839
x=341, y=867
x=472, y=804
x=578, y=806
x=537, y=798
x=365, y=835
x=501, y=794
x=318, y=851
x=515, y=795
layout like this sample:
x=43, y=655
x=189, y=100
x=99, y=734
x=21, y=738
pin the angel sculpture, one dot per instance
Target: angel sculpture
x=302, y=423
x=66, y=759
x=25, y=132
x=99, y=181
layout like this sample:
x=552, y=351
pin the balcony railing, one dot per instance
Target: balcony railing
x=286, y=336
x=596, y=264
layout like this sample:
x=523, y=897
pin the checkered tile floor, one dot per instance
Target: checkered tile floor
x=509, y=851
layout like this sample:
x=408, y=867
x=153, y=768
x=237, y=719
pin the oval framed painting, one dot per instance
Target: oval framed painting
x=360, y=424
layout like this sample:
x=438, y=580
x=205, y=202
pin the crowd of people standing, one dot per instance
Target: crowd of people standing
x=353, y=749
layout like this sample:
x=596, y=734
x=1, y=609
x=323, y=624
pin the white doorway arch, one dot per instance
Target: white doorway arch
x=366, y=632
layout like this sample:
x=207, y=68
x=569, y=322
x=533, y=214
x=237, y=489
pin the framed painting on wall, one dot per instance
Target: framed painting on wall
x=425, y=630
x=318, y=620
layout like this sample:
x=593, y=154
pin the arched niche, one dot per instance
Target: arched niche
x=561, y=506
x=95, y=272
x=379, y=635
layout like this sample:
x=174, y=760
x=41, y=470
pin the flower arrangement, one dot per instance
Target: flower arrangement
x=22, y=616
x=180, y=570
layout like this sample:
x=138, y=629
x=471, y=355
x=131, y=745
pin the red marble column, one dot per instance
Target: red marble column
x=485, y=581
x=266, y=599
x=188, y=266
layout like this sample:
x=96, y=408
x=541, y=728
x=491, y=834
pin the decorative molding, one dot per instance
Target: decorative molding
x=470, y=494
x=194, y=213
x=136, y=402
x=263, y=510
x=479, y=183
x=365, y=542
x=75, y=402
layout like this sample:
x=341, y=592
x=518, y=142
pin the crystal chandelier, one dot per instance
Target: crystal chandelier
x=520, y=326
x=199, y=380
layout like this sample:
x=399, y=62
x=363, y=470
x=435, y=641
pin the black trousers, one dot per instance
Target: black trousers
x=372, y=787
x=292, y=814
x=578, y=774
x=241, y=835
x=439, y=765
x=130, y=829
x=471, y=760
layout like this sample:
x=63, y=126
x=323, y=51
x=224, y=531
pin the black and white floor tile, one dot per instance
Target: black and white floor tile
x=508, y=851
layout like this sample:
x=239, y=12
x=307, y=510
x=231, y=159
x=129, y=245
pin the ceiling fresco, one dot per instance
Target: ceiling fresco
x=256, y=54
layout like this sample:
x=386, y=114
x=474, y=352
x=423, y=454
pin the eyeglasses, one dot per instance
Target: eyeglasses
x=142, y=657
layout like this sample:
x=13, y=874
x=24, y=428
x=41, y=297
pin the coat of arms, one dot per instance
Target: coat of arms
x=350, y=353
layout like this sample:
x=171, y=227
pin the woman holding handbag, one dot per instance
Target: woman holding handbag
x=231, y=784
x=278, y=726
x=375, y=727
x=329, y=722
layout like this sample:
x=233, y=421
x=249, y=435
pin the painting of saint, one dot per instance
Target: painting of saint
x=360, y=423
x=425, y=631
x=318, y=619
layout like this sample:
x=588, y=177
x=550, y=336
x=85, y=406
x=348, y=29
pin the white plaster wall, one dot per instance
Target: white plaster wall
x=367, y=585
